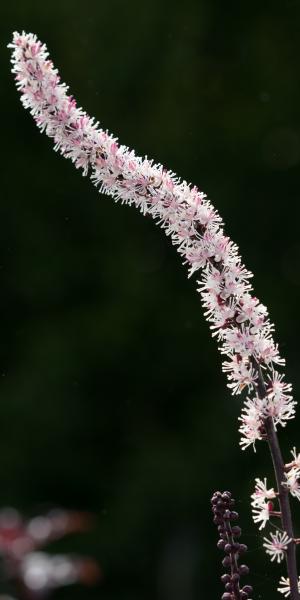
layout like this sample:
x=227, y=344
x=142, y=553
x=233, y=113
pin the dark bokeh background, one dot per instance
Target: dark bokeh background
x=112, y=396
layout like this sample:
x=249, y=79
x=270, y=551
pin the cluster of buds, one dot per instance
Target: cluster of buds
x=224, y=515
x=33, y=572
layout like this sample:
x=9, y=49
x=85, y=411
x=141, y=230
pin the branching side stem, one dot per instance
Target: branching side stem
x=283, y=493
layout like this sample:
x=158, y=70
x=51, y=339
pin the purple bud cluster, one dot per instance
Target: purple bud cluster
x=224, y=517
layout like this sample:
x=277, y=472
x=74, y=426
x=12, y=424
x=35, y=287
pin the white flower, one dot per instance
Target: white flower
x=251, y=418
x=284, y=588
x=241, y=375
x=281, y=409
x=261, y=513
x=261, y=493
x=277, y=546
x=292, y=482
x=277, y=388
x=296, y=458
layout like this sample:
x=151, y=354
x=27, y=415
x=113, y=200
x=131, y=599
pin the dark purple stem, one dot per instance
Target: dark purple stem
x=283, y=497
x=234, y=563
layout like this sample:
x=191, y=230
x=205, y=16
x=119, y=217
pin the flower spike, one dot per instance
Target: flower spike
x=238, y=320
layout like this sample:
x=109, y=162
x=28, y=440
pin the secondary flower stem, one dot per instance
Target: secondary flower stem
x=286, y=515
x=283, y=493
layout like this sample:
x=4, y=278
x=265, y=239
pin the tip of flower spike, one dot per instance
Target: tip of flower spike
x=19, y=38
x=28, y=42
x=15, y=36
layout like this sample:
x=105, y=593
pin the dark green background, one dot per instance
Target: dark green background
x=112, y=396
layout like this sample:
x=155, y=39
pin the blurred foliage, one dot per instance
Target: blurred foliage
x=112, y=397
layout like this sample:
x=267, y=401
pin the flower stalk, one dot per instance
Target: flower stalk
x=237, y=319
x=283, y=496
x=285, y=508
